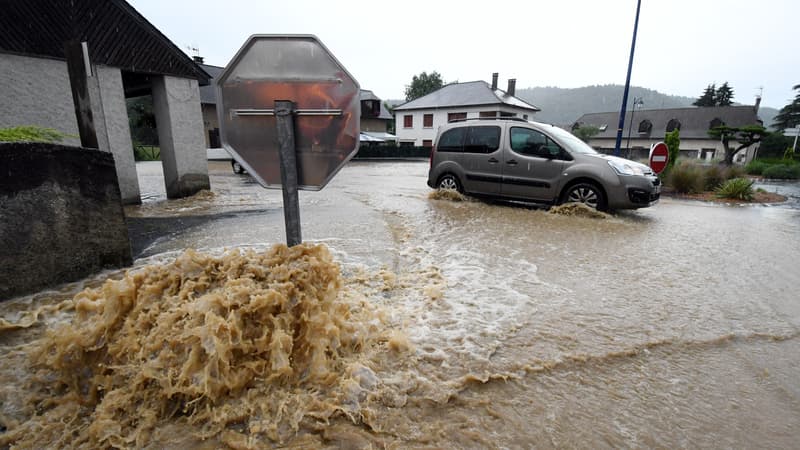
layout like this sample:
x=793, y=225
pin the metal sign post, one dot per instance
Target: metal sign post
x=313, y=127
x=284, y=121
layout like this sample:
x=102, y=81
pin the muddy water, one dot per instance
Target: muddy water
x=504, y=326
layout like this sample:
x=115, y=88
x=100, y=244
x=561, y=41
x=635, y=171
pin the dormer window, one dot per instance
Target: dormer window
x=716, y=122
x=645, y=127
x=673, y=125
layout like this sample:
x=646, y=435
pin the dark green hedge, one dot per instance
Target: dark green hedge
x=390, y=151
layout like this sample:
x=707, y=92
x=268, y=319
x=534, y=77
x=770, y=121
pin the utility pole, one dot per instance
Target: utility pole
x=627, y=83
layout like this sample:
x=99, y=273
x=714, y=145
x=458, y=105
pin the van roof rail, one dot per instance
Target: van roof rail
x=516, y=119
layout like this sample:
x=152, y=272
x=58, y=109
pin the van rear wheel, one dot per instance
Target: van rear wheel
x=587, y=193
x=449, y=181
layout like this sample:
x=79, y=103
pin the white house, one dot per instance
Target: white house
x=417, y=121
x=643, y=128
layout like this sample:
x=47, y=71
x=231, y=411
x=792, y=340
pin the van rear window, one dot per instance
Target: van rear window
x=452, y=140
x=482, y=139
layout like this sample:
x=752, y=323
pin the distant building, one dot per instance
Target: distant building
x=375, y=119
x=650, y=125
x=208, y=104
x=417, y=121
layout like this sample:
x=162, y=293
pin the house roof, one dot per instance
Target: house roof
x=366, y=94
x=473, y=93
x=208, y=94
x=117, y=35
x=694, y=122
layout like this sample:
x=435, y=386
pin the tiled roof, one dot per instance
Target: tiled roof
x=694, y=122
x=473, y=93
x=117, y=35
x=208, y=94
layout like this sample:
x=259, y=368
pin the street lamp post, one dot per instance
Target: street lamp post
x=637, y=103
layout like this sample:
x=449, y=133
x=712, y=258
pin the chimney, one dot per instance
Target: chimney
x=494, y=80
x=198, y=59
x=758, y=103
x=512, y=86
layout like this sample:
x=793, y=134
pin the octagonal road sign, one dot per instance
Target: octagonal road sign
x=659, y=156
x=300, y=69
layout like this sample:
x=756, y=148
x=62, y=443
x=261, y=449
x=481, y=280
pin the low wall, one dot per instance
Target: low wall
x=61, y=216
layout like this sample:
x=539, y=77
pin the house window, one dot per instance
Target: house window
x=408, y=121
x=427, y=121
x=488, y=114
x=645, y=127
x=456, y=116
x=673, y=125
x=507, y=114
x=427, y=143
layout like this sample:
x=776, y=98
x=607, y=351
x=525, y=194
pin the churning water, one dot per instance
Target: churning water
x=416, y=322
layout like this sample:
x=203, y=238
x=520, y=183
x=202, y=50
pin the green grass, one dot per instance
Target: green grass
x=32, y=133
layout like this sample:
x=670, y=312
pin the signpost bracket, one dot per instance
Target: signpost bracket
x=284, y=121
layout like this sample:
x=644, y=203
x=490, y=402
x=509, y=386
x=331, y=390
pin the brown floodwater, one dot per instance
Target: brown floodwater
x=412, y=321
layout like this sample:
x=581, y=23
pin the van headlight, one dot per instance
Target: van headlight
x=625, y=169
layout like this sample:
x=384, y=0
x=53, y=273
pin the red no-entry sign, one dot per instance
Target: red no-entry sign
x=659, y=156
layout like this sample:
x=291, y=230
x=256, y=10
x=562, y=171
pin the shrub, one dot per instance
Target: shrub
x=146, y=153
x=737, y=189
x=713, y=177
x=781, y=171
x=732, y=172
x=673, y=142
x=756, y=167
x=789, y=153
x=686, y=179
x=31, y=133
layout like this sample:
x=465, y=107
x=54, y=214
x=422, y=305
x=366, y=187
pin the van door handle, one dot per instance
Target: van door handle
x=493, y=160
x=511, y=162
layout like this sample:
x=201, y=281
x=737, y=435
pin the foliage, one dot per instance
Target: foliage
x=756, y=167
x=32, y=133
x=737, y=189
x=146, y=153
x=707, y=99
x=744, y=136
x=724, y=95
x=774, y=145
x=713, y=177
x=789, y=115
x=734, y=172
x=789, y=153
x=686, y=179
x=423, y=84
x=713, y=96
x=586, y=132
x=673, y=141
x=782, y=172
x=142, y=120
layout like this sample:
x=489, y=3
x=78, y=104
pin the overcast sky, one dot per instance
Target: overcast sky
x=682, y=46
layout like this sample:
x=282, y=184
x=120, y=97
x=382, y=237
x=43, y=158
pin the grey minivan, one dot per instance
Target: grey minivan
x=520, y=160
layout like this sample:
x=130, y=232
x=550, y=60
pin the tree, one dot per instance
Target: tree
x=742, y=136
x=586, y=132
x=673, y=141
x=724, y=95
x=423, y=84
x=707, y=99
x=789, y=115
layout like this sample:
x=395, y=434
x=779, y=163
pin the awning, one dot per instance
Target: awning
x=382, y=135
x=364, y=137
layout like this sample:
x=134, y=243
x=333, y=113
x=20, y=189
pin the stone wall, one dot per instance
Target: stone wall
x=62, y=216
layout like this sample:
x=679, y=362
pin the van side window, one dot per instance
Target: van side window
x=533, y=143
x=452, y=140
x=482, y=139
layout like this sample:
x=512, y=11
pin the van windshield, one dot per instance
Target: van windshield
x=572, y=143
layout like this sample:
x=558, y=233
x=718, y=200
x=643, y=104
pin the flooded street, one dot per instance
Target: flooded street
x=480, y=325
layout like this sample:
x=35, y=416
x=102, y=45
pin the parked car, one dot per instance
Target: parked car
x=519, y=160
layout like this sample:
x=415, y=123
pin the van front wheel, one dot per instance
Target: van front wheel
x=587, y=193
x=449, y=181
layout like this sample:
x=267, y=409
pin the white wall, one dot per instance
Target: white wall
x=417, y=133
